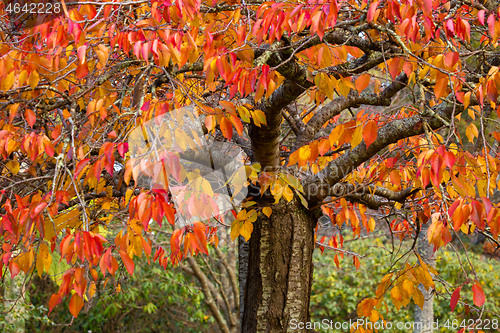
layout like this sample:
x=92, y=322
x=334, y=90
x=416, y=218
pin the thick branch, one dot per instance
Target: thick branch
x=265, y=143
x=318, y=187
x=371, y=196
x=353, y=100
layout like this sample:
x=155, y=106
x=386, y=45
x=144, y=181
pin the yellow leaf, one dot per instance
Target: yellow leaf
x=371, y=224
x=33, y=79
x=335, y=134
x=70, y=219
x=246, y=230
x=235, y=229
x=47, y=257
x=287, y=193
x=128, y=194
x=418, y=298
x=343, y=88
x=207, y=188
x=408, y=288
x=22, y=77
x=357, y=137
x=252, y=215
x=267, y=211
x=396, y=294
x=7, y=82
x=471, y=132
x=277, y=191
x=13, y=167
x=92, y=289
x=304, y=155
x=374, y=316
x=39, y=264
x=25, y=261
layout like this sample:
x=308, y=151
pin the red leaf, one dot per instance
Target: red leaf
x=371, y=11
x=129, y=263
x=240, y=34
x=478, y=297
x=480, y=16
x=427, y=7
x=226, y=128
x=14, y=269
x=449, y=159
x=122, y=149
x=454, y=298
x=75, y=305
x=30, y=117
x=451, y=58
x=80, y=166
x=175, y=241
x=38, y=209
x=487, y=204
x=145, y=52
x=491, y=25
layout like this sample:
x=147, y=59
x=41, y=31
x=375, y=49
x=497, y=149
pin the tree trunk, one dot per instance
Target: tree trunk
x=280, y=269
x=424, y=318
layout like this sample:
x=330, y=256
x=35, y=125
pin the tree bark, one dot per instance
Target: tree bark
x=280, y=269
x=423, y=318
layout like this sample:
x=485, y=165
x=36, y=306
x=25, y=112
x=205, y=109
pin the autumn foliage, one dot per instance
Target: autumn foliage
x=375, y=106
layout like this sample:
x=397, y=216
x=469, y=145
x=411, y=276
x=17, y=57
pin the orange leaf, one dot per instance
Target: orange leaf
x=450, y=59
x=356, y=262
x=362, y=82
x=82, y=71
x=237, y=124
x=30, y=117
x=440, y=87
x=54, y=300
x=129, y=263
x=226, y=128
x=478, y=292
x=75, y=305
x=228, y=106
x=394, y=67
x=370, y=132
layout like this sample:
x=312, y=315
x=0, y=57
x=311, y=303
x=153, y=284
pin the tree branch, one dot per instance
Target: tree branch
x=318, y=186
x=202, y=278
x=353, y=100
